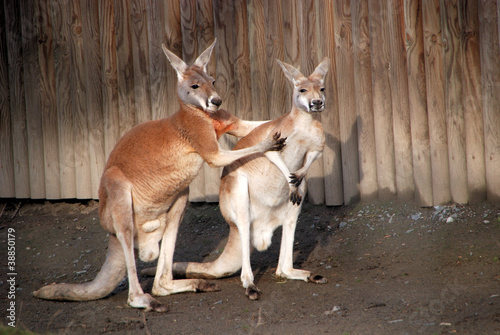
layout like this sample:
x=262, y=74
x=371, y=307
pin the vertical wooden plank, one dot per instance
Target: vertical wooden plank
x=453, y=102
x=158, y=65
x=140, y=56
x=243, y=83
x=48, y=104
x=125, y=68
x=489, y=18
x=364, y=100
x=258, y=76
x=62, y=64
x=434, y=75
x=405, y=186
x=418, y=102
x=188, y=29
x=346, y=96
x=79, y=102
x=290, y=42
x=30, y=37
x=7, y=188
x=93, y=72
x=382, y=104
x=205, y=36
x=173, y=41
x=308, y=62
x=190, y=53
x=334, y=195
x=277, y=83
x=471, y=99
x=109, y=76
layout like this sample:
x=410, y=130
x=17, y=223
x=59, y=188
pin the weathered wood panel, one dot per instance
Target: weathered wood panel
x=6, y=156
x=453, y=101
x=471, y=99
x=62, y=63
x=434, y=77
x=412, y=92
x=382, y=100
x=490, y=78
x=332, y=154
x=399, y=97
x=364, y=100
x=418, y=102
x=344, y=61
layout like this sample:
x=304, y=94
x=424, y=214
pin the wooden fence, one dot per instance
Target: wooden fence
x=413, y=92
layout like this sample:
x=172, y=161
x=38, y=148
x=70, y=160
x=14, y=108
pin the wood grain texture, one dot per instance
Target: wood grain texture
x=140, y=59
x=453, y=102
x=7, y=188
x=344, y=58
x=125, y=67
x=62, y=63
x=468, y=21
x=489, y=14
x=109, y=77
x=32, y=75
x=364, y=100
x=258, y=64
x=422, y=172
x=382, y=100
x=48, y=104
x=94, y=113
x=332, y=156
x=399, y=97
x=434, y=77
x=79, y=102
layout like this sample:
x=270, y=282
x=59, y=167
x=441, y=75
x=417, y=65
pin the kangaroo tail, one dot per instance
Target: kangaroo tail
x=112, y=273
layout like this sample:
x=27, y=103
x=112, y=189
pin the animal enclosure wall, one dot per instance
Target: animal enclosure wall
x=413, y=92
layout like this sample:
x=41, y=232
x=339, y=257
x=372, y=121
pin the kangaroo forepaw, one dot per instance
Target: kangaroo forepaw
x=318, y=279
x=206, y=286
x=295, y=197
x=252, y=292
x=295, y=179
x=279, y=142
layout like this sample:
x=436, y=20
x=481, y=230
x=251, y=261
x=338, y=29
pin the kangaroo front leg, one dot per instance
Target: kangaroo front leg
x=164, y=283
x=276, y=158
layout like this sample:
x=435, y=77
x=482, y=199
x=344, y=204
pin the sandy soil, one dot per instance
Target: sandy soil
x=393, y=268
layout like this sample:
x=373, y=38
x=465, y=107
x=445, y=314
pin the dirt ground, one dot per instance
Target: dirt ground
x=393, y=268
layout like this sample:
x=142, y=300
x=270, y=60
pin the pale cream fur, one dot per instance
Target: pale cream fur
x=143, y=190
x=256, y=194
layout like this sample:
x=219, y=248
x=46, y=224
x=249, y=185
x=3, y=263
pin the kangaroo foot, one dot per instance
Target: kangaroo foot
x=318, y=279
x=146, y=301
x=252, y=292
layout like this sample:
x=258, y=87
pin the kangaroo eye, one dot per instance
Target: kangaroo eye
x=213, y=83
x=302, y=90
x=195, y=86
x=322, y=89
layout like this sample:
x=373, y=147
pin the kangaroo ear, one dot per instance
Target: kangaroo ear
x=291, y=73
x=322, y=69
x=178, y=64
x=204, y=58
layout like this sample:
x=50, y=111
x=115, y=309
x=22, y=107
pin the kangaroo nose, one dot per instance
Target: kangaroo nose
x=216, y=101
x=317, y=102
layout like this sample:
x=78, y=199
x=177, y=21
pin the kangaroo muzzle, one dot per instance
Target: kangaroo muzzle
x=213, y=103
x=317, y=105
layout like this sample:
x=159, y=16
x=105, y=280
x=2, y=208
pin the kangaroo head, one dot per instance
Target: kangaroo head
x=194, y=86
x=308, y=93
